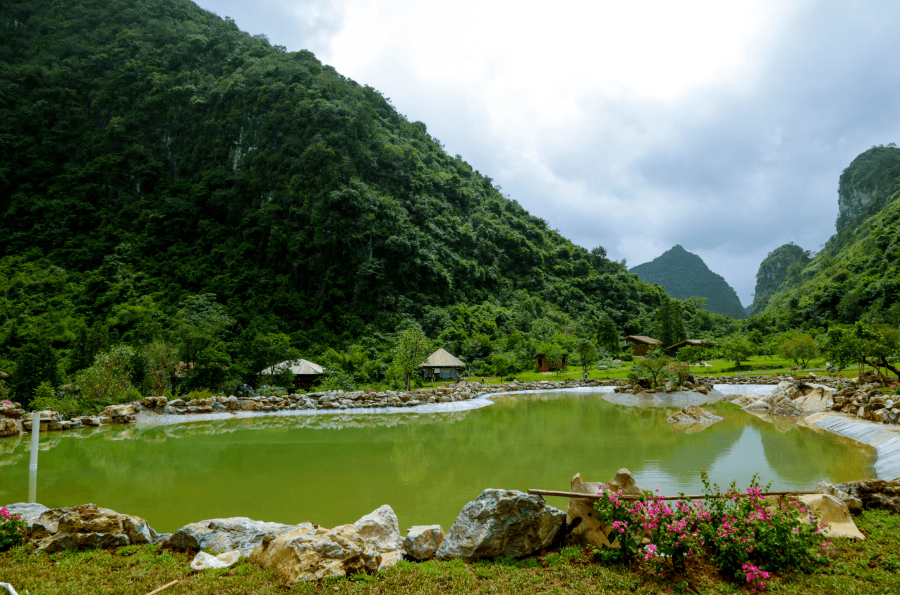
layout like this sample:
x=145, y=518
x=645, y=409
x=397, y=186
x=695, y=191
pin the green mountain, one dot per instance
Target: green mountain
x=782, y=265
x=685, y=275
x=151, y=151
x=856, y=276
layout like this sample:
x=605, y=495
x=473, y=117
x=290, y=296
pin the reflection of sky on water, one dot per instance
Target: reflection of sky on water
x=733, y=461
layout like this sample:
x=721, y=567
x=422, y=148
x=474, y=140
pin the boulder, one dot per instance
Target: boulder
x=310, y=552
x=422, y=541
x=758, y=405
x=501, y=523
x=10, y=409
x=118, y=410
x=693, y=415
x=28, y=512
x=816, y=400
x=10, y=426
x=222, y=535
x=581, y=517
x=382, y=530
x=875, y=493
x=834, y=514
x=88, y=527
x=785, y=408
x=854, y=504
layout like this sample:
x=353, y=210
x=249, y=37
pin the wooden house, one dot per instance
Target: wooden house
x=544, y=364
x=640, y=344
x=441, y=365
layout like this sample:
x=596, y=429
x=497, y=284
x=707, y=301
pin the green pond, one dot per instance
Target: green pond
x=332, y=469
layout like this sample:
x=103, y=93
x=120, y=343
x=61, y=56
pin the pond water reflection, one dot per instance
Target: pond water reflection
x=332, y=469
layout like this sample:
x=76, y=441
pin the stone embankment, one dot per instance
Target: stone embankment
x=14, y=420
x=868, y=402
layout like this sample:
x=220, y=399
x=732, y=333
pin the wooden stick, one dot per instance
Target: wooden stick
x=164, y=587
x=625, y=497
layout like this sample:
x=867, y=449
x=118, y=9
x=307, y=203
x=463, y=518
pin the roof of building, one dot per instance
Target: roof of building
x=297, y=367
x=693, y=343
x=442, y=359
x=643, y=339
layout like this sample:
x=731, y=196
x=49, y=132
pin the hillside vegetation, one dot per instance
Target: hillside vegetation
x=685, y=275
x=165, y=176
x=856, y=276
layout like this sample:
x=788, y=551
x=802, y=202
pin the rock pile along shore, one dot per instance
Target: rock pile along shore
x=14, y=420
x=498, y=523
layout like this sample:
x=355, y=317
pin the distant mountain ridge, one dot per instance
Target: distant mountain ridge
x=685, y=275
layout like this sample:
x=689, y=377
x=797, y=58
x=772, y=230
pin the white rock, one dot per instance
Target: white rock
x=422, y=541
x=382, y=530
x=222, y=535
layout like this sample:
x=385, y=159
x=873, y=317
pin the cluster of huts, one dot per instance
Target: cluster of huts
x=442, y=365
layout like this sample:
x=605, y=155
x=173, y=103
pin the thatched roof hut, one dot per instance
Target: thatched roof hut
x=305, y=372
x=442, y=365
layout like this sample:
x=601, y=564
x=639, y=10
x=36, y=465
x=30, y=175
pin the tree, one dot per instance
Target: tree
x=410, y=351
x=158, y=360
x=266, y=350
x=669, y=325
x=501, y=363
x=877, y=346
x=800, y=348
x=107, y=380
x=737, y=349
x=199, y=324
x=840, y=347
x=653, y=364
x=608, y=334
x=36, y=363
x=587, y=353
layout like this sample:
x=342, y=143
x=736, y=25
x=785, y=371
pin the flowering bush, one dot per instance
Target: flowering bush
x=741, y=533
x=679, y=371
x=12, y=529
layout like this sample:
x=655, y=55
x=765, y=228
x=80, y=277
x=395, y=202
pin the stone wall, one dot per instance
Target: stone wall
x=14, y=420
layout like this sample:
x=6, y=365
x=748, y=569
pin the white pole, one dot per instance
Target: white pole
x=32, y=468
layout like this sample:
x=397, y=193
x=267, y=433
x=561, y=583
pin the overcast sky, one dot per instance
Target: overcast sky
x=722, y=126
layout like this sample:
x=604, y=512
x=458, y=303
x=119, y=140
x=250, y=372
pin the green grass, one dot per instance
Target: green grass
x=872, y=566
x=756, y=365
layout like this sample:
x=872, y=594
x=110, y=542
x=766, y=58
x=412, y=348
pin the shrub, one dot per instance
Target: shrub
x=337, y=380
x=107, y=380
x=45, y=398
x=742, y=534
x=12, y=529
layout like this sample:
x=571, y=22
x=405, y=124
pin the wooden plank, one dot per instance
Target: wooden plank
x=685, y=497
x=164, y=587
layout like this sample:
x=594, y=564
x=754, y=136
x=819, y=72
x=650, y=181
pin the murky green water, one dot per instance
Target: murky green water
x=332, y=469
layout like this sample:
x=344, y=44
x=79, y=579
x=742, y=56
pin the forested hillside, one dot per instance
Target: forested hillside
x=165, y=176
x=685, y=275
x=856, y=276
x=782, y=265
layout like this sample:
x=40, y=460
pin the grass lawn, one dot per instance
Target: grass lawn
x=868, y=567
x=756, y=365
